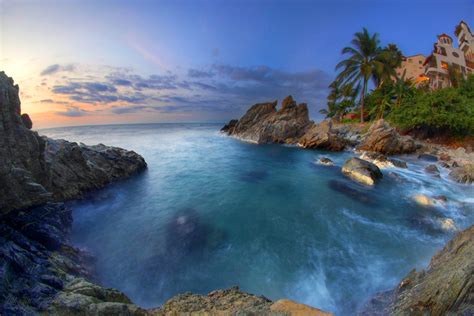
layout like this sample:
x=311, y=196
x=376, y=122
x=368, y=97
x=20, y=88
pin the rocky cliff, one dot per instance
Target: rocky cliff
x=37, y=264
x=446, y=287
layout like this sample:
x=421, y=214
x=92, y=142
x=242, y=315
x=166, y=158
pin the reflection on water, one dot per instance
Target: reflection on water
x=213, y=212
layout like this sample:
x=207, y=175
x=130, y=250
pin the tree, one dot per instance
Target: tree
x=362, y=64
x=390, y=57
x=340, y=99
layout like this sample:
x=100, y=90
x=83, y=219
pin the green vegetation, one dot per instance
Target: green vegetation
x=448, y=110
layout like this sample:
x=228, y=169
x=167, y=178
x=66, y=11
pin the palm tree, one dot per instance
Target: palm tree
x=340, y=99
x=363, y=63
x=391, y=57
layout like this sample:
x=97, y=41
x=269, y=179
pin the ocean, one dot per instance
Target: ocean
x=213, y=212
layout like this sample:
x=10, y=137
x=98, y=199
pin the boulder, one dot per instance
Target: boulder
x=382, y=138
x=432, y=169
x=361, y=171
x=263, y=123
x=428, y=157
x=322, y=136
x=463, y=174
x=427, y=201
x=326, y=161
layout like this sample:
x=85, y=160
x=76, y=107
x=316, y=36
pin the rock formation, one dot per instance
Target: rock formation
x=463, y=174
x=361, y=171
x=446, y=287
x=36, y=262
x=384, y=139
x=322, y=136
x=233, y=302
x=36, y=169
x=263, y=123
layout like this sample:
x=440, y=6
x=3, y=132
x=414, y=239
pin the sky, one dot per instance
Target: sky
x=107, y=62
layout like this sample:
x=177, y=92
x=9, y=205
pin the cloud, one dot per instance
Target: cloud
x=52, y=69
x=225, y=90
x=195, y=73
x=73, y=111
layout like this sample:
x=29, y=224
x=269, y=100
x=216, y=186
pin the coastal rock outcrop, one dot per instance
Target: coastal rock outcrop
x=322, y=136
x=361, y=171
x=263, y=123
x=35, y=169
x=383, y=138
x=78, y=168
x=446, y=287
x=233, y=302
x=36, y=261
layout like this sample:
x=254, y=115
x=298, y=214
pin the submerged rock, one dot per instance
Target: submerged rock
x=427, y=201
x=362, y=171
x=322, y=136
x=353, y=193
x=432, y=169
x=385, y=139
x=263, y=123
x=326, y=161
x=428, y=157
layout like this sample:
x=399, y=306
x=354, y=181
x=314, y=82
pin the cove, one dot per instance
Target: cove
x=212, y=212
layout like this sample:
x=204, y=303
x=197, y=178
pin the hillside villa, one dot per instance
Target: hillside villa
x=433, y=69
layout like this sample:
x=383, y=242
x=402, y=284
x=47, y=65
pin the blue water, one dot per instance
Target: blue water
x=212, y=212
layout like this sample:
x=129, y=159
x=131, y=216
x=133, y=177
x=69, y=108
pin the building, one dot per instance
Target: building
x=444, y=56
x=412, y=68
x=466, y=43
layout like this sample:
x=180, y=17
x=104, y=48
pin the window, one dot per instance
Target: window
x=455, y=54
x=420, y=62
x=444, y=65
x=410, y=60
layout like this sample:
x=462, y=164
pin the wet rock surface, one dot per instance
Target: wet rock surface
x=36, y=261
x=463, y=174
x=361, y=171
x=445, y=287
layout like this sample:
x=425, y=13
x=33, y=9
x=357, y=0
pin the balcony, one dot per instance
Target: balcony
x=464, y=46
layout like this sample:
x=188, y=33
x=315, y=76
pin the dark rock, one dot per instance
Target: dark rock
x=362, y=171
x=322, y=136
x=254, y=176
x=228, y=128
x=353, y=193
x=432, y=169
x=77, y=168
x=264, y=124
x=26, y=120
x=384, y=139
x=326, y=161
x=464, y=174
x=428, y=157
x=444, y=165
x=454, y=164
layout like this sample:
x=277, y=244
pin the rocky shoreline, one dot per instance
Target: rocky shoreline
x=41, y=273
x=264, y=123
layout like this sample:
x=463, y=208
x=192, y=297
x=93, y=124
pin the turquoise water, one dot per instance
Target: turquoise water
x=213, y=212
